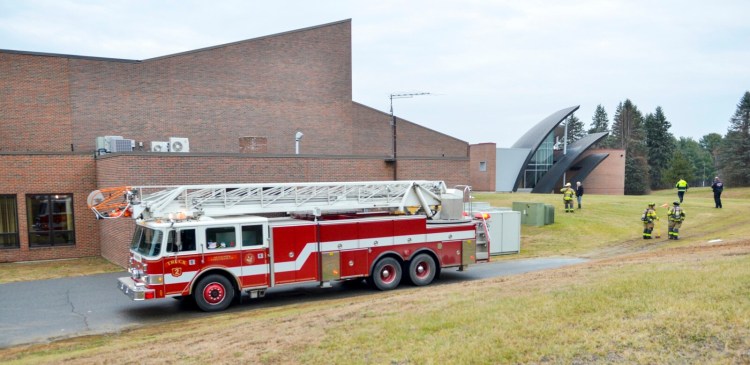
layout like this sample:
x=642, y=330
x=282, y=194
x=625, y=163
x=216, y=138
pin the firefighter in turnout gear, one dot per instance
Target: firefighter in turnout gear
x=648, y=218
x=676, y=215
x=568, y=195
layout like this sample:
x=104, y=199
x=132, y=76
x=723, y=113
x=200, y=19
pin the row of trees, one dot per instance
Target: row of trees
x=656, y=159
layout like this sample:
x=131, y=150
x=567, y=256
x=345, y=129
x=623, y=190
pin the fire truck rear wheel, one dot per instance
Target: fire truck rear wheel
x=213, y=293
x=387, y=274
x=422, y=270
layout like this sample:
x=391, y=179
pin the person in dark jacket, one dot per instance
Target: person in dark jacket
x=579, y=193
x=717, y=187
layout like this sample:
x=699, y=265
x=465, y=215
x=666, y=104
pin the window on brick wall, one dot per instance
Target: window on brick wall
x=8, y=222
x=482, y=165
x=50, y=219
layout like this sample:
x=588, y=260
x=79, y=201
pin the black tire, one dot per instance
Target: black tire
x=422, y=269
x=213, y=293
x=386, y=274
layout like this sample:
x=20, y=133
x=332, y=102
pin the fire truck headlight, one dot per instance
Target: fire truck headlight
x=154, y=279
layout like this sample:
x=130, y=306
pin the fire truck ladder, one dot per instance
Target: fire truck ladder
x=169, y=202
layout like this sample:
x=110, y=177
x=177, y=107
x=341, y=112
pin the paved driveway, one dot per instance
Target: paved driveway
x=44, y=310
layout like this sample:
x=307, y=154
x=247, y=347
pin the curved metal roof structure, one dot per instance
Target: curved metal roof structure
x=588, y=164
x=575, y=149
x=534, y=137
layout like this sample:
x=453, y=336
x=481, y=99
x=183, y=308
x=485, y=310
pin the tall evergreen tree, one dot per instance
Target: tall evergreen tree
x=575, y=128
x=699, y=159
x=600, y=120
x=681, y=168
x=627, y=125
x=660, y=146
x=734, y=153
x=600, y=123
x=628, y=133
x=636, y=177
x=711, y=143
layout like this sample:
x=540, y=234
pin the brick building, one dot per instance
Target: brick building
x=239, y=105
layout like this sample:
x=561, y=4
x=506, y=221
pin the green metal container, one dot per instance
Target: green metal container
x=549, y=214
x=532, y=214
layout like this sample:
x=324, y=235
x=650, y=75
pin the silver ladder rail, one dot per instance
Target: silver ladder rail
x=153, y=202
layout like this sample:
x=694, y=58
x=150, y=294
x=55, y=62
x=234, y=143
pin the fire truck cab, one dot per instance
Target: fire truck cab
x=213, y=258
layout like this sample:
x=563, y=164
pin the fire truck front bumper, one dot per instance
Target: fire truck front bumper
x=134, y=290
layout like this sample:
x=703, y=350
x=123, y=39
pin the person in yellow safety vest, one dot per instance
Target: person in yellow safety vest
x=648, y=218
x=568, y=195
x=682, y=187
x=676, y=215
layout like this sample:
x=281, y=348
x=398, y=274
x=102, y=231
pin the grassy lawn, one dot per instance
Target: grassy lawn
x=635, y=302
x=611, y=221
x=52, y=269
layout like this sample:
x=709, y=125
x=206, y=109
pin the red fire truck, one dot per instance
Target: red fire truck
x=214, y=242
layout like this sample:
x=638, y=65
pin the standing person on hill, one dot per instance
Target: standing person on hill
x=682, y=187
x=579, y=193
x=648, y=218
x=676, y=215
x=568, y=195
x=717, y=187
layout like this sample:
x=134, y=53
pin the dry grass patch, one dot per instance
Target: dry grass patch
x=681, y=305
x=53, y=269
x=686, y=306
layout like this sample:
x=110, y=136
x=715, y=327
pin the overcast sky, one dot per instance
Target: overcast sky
x=493, y=68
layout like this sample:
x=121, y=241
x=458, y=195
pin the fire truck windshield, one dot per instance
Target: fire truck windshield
x=146, y=241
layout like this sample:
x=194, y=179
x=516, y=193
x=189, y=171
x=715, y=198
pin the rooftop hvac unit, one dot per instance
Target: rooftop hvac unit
x=121, y=145
x=105, y=143
x=101, y=145
x=157, y=146
x=177, y=144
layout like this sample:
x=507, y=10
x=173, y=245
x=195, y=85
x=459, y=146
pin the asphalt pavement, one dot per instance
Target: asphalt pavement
x=46, y=310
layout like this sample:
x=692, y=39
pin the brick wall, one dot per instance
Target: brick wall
x=253, y=145
x=487, y=153
x=374, y=136
x=116, y=235
x=50, y=174
x=35, y=110
x=267, y=87
x=417, y=141
x=452, y=171
x=609, y=177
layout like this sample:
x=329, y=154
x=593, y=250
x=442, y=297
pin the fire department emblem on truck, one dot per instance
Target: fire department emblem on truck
x=290, y=233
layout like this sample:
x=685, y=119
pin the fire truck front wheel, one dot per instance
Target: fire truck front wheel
x=213, y=293
x=422, y=269
x=387, y=274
